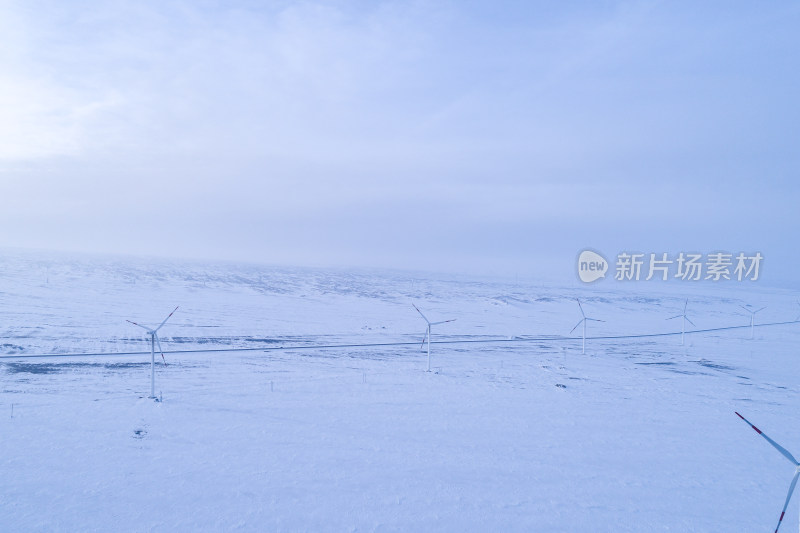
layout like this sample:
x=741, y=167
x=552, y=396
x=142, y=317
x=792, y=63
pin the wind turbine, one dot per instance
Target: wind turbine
x=153, y=341
x=752, y=317
x=790, y=457
x=685, y=319
x=583, y=321
x=428, y=333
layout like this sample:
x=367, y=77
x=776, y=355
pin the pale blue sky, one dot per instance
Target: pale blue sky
x=461, y=135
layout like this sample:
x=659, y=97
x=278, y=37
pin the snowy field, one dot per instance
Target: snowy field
x=636, y=435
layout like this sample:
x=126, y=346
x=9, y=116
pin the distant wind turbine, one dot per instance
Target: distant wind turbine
x=583, y=321
x=153, y=341
x=752, y=317
x=685, y=319
x=428, y=333
x=786, y=454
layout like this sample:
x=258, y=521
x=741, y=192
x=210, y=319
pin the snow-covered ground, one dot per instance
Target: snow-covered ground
x=636, y=435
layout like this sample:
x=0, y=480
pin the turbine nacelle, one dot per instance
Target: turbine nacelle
x=585, y=318
x=429, y=322
x=683, y=315
x=154, y=331
x=752, y=312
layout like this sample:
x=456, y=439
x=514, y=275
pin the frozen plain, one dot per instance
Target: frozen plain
x=636, y=435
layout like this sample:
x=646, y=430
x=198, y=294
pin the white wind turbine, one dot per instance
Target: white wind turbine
x=752, y=317
x=790, y=457
x=685, y=319
x=153, y=341
x=583, y=321
x=428, y=333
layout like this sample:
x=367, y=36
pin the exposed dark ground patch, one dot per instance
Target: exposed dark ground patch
x=11, y=348
x=709, y=364
x=689, y=372
x=55, y=368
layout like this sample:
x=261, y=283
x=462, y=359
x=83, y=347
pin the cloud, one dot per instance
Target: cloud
x=334, y=122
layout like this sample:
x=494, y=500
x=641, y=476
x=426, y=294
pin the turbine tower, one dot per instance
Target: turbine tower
x=583, y=321
x=685, y=319
x=153, y=341
x=428, y=333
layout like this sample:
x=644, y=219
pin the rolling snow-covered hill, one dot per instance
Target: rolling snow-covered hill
x=638, y=434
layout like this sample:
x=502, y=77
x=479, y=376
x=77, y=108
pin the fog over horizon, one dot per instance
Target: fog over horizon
x=489, y=138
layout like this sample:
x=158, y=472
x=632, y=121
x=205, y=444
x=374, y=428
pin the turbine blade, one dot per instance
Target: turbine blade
x=579, y=305
x=685, y=304
x=746, y=309
x=160, y=350
x=674, y=317
x=777, y=446
x=420, y=313
x=690, y=321
x=576, y=325
x=759, y=310
x=165, y=320
x=141, y=326
x=443, y=322
x=788, y=497
x=424, y=338
x=595, y=319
